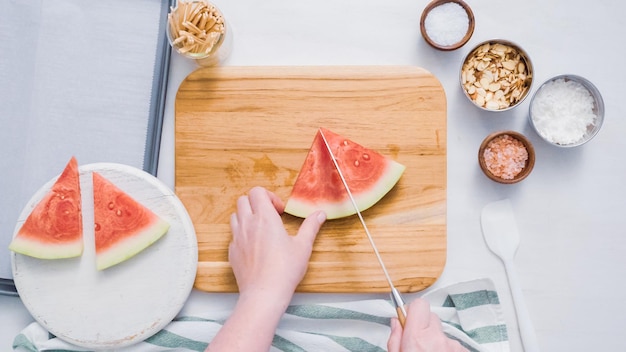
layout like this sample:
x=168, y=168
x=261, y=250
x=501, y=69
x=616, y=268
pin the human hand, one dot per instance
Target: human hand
x=266, y=261
x=422, y=332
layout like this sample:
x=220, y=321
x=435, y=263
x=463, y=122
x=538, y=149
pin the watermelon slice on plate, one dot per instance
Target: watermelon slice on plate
x=123, y=227
x=369, y=174
x=54, y=228
x=62, y=294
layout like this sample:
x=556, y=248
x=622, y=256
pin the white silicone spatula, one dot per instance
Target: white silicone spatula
x=500, y=232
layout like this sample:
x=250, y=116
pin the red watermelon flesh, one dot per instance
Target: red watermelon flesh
x=54, y=229
x=369, y=174
x=123, y=227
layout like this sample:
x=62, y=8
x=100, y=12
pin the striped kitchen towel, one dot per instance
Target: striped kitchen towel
x=470, y=312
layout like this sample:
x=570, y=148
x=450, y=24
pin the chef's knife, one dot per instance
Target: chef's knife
x=396, y=298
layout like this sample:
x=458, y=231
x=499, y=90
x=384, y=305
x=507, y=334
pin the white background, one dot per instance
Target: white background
x=570, y=211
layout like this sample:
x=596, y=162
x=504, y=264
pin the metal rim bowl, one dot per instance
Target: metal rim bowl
x=526, y=59
x=598, y=109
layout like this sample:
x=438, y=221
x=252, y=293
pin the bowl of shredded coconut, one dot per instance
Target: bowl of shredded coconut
x=447, y=24
x=567, y=111
x=506, y=157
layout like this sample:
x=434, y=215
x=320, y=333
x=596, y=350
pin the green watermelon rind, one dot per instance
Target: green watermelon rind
x=365, y=200
x=41, y=250
x=129, y=247
x=33, y=242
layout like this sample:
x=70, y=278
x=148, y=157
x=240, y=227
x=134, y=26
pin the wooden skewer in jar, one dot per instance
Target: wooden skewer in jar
x=197, y=29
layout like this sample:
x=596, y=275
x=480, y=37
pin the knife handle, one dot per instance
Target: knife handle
x=401, y=315
x=398, y=302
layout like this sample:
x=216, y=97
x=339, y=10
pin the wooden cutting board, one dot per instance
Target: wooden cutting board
x=239, y=127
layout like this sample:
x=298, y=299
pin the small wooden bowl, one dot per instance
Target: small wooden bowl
x=528, y=167
x=470, y=27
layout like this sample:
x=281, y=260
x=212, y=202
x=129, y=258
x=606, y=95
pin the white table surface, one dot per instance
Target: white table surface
x=570, y=209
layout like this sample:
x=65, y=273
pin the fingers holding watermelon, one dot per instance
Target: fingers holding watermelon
x=258, y=201
x=244, y=208
x=310, y=227
x=268, y=264
x=264, y=257
x=259, y=198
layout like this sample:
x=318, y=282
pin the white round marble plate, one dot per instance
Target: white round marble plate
x=126, y=303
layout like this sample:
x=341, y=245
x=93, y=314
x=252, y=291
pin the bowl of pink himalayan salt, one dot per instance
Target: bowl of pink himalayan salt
x=506, y=157
x=567, y=111
x=447, y=24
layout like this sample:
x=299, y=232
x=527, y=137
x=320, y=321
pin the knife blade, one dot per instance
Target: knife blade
x=396, y=298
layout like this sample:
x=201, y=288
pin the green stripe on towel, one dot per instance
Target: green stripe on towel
x=286, y=345
x=192, y=318
x=23, y=342
x=467, y=300
x=326, y=312
x=463, y=343
x=489, y=334
x=485, y=334
x=168, y=339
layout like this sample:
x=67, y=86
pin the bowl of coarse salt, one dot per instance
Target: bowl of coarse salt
x=447, y=24
x=567, y=111
x=506, y=157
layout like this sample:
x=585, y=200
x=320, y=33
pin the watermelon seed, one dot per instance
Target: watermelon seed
x=97, y=227
x=111, y=205
x=118, y=212
x=366, y=156
x=356, y=163
x=345, y=142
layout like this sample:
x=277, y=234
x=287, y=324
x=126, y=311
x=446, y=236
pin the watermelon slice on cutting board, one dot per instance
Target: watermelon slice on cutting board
x=54, y=228
x=123, y=227
x=369, y=174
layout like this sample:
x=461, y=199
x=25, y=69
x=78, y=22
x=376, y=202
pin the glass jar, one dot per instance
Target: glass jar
x=197, y=30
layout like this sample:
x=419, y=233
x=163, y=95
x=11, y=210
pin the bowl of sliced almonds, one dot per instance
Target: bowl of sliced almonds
x=496, y=75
